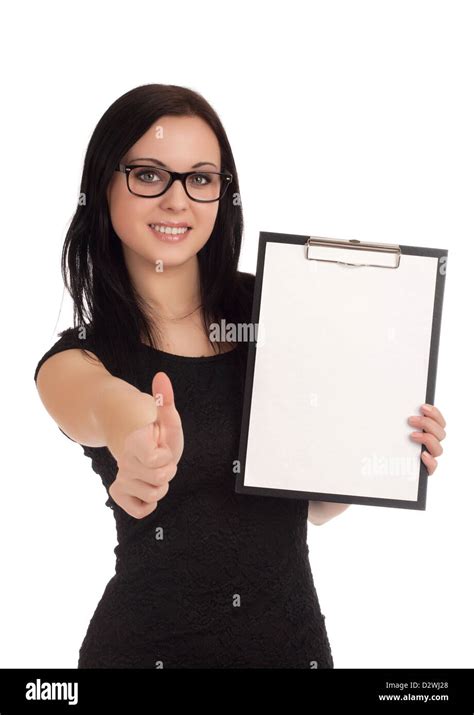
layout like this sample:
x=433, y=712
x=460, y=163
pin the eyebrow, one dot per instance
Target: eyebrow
x=160, y=163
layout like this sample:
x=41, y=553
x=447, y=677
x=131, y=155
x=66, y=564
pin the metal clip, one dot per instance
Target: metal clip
x=316, y=247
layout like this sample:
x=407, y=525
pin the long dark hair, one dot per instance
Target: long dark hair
x=92, y=263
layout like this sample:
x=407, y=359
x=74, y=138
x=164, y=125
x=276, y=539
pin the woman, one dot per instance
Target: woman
x=205, y=577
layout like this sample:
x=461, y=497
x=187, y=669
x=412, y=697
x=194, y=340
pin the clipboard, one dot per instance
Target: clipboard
x=345, y=350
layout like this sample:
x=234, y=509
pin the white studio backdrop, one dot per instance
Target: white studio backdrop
x=347, y=120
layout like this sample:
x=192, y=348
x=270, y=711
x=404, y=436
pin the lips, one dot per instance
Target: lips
x=170, y=224
x=166, y=233
x=170, y=230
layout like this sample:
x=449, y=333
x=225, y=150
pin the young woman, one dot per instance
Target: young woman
x=204, y=577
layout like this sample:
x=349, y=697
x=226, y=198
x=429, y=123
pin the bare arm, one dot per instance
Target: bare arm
x=319, y=512
x=89, y=404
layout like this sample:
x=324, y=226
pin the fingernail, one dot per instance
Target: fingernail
x=428, y=408
x=414, y=420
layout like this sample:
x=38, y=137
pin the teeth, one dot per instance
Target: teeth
x=168, y=229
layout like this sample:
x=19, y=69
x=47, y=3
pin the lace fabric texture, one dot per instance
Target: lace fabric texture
x=211, y=578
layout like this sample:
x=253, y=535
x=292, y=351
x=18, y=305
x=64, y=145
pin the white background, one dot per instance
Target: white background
x=364, y=112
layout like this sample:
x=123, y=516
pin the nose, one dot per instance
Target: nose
x=174, y=197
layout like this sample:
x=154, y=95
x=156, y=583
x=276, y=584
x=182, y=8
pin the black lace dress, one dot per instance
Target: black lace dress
x=211, y=578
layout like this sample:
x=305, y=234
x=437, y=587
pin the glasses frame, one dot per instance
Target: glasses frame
x=175, y=176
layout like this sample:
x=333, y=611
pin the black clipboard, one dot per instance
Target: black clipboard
x=297, y=275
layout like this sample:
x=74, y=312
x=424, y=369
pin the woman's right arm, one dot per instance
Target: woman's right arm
x=97, y=409
x=89, y=404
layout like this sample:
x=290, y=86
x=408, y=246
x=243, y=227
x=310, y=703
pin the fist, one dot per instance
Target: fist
x=150, y=455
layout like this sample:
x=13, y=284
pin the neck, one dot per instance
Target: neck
x=171, y=293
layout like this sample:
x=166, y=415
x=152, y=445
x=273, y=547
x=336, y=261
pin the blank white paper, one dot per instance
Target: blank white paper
x=341, y=362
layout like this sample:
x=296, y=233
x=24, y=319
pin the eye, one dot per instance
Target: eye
x=146, y=175
x=201, y=179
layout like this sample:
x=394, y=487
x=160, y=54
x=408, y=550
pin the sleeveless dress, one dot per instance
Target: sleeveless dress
x=211, y=578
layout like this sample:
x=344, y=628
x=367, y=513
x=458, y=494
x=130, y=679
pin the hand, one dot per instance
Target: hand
x=432, y=432
x=150, y=455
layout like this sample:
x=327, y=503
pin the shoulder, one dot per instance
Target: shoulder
x=81, y=338
x=246, y=280
x=246, y=283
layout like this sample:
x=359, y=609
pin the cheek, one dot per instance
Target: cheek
x=203, y=224
x=206, y=218
x=127, y=221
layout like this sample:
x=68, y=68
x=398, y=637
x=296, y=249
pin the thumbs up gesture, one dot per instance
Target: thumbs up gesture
x=150, y=455
x=167, y=427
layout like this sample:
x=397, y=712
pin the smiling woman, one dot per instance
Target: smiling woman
x=205, y=577
x=151, y=195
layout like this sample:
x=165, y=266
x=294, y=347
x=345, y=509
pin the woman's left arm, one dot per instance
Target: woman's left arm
x=430, y=432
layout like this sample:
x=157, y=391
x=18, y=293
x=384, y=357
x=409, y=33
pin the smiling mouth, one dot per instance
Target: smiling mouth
x=168, y=230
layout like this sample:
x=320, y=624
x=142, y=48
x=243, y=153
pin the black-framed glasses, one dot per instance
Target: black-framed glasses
x=152, y=181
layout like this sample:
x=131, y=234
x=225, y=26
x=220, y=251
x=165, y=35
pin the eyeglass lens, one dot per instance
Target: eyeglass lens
x=150, y=181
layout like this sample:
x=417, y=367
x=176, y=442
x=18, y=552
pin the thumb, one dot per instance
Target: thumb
x=162, y=391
